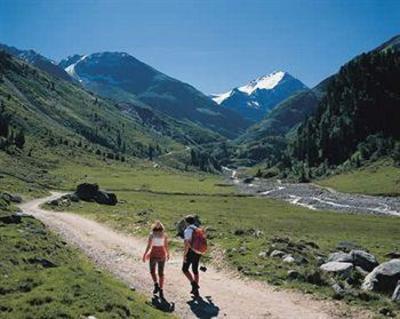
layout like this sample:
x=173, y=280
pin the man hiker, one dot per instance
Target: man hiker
x=195, y=246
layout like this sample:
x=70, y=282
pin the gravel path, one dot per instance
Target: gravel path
x=224, y=293
x=316, y=197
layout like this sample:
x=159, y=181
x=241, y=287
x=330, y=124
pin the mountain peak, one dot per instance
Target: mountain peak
x=265, y=82
x=259, y=96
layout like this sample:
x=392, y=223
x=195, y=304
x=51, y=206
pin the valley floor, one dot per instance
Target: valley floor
x=224, y=293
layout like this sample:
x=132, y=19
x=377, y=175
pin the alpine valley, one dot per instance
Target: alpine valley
x=290, y=181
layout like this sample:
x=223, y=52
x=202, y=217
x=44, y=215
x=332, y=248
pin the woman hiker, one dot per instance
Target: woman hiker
x=157, y=253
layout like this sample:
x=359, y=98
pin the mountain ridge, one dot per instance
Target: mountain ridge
x=112, y=74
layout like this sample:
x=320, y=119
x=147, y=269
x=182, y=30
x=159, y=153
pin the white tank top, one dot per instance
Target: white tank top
x=158, y=241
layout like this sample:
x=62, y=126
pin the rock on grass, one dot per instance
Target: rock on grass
x=383, y=278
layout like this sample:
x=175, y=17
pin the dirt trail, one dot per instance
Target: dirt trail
x=224, y=293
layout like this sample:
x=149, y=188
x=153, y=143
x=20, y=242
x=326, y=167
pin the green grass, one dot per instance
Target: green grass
x=139, y=175
x=72, y=289
x=380, y=178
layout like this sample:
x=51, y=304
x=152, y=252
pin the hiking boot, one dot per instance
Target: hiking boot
x=161, y=293
x=156, y=288
x=195, y=289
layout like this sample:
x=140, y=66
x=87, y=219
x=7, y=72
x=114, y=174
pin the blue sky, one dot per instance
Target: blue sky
x=213, y=45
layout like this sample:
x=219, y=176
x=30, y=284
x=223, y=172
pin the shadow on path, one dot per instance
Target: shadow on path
x=162, y=304
x=203, y=309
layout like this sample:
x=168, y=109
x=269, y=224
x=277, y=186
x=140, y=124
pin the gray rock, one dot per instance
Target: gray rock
x=277, y=253
x=339, y=292
x=363, y=259
x=340, y=257
x=288, y=259
x=396, y=293
x=338, y=268
x=383, y=278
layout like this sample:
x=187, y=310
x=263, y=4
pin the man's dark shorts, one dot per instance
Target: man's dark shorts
x=192, y=259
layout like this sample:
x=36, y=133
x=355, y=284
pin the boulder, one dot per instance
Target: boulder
x=396, y=293
x=91, y=192
x=87, y=191
x=383, y=278
x=339, y=268
x=181, y=225
x=278, y=253
x=105, y=198
x=364, y=260
x=338, y=291
x=340, y=257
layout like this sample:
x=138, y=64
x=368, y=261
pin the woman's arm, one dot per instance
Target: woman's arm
x=147, y=249
x=166, y=245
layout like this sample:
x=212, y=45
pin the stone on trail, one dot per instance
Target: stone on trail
x=340, y=268
x=364, y=260
x=383, y=278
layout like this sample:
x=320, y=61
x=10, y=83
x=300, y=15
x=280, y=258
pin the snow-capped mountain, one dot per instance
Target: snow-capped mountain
x=260, y=96
x=122, y=77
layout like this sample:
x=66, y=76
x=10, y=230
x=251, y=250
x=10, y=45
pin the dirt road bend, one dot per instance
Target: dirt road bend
x=224, y=294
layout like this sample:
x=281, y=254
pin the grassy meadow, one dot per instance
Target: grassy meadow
x=379, y=178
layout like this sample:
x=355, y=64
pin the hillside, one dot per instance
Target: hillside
x=359, y=113
x=258, y=97
x=54, y=111
x=122, y=77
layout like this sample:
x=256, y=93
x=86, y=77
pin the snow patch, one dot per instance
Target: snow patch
x=267, y=82
x=219, y=98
